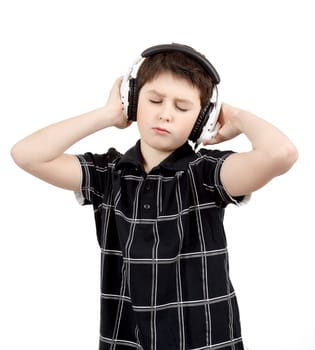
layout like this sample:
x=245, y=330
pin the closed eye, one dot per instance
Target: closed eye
x=182, y=109
x=156, y=101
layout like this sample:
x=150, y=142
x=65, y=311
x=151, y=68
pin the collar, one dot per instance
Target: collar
x=176, y=161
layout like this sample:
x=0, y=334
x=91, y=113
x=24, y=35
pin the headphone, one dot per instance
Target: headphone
x=205, y=126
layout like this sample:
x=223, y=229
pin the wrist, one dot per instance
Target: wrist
x=105, y=117
x=240, y=118
x=232, y=116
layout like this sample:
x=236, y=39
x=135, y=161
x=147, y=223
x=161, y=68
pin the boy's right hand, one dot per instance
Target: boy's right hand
x=114, y=106
x=42, y=153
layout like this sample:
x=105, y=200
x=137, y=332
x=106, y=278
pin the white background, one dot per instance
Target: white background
x=59, y=59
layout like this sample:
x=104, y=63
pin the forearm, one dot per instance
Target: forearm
x=260, y=133
x=50, y=142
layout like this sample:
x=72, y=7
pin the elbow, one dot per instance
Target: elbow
x=18, y=155
x=285, y=158
x=291, y=155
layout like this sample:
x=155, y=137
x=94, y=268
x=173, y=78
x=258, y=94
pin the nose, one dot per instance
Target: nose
x=166, y=113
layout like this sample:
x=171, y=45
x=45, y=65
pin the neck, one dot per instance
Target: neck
x=151, y=156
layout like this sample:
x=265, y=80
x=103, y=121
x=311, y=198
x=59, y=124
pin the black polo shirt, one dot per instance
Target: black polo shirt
x=164, y=263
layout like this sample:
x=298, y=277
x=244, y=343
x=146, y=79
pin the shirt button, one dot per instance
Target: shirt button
x=148, y=187
x=147, y=206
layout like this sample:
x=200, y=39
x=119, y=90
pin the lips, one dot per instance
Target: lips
x=160, y=130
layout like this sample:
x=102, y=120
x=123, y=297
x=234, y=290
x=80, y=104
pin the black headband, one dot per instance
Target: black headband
x=201, y=59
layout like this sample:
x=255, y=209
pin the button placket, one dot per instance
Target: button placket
x=147, y=199
x=147, y=187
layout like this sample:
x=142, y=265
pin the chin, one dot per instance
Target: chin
x=166, y=146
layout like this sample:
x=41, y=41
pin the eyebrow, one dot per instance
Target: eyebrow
x=181, y=100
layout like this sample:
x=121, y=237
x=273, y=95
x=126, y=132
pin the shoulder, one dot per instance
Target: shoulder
x=212, y=157
x=214, y=153
x=100, y=159
x=207, y=164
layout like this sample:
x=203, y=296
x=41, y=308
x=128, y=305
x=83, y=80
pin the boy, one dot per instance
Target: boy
x=159, y=207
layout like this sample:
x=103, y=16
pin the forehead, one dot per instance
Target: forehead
x=170, y=83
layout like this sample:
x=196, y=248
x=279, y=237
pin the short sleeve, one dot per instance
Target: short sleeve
x=212, y=164
x=95, y=177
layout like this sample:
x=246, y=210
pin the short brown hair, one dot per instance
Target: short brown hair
x=179, y=64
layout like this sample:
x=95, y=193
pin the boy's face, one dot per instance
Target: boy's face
x=168, y=107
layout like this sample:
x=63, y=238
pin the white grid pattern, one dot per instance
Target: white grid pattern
x=165, y=276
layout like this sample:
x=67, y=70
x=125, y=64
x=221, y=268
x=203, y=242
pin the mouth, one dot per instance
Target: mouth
x=161, y=131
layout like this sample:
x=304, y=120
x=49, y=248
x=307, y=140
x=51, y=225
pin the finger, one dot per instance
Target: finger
x=213, y=135
x=214, y=140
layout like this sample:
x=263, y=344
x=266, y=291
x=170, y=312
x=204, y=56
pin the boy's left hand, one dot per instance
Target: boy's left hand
x=228, y=128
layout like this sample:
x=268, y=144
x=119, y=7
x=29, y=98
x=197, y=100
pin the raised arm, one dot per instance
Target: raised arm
x=42, y=153
x=272, y=152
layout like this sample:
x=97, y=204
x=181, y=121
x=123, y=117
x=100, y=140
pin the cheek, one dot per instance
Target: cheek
x=142, y=111
x=143, y=120
x=184, y=128
x=189, y=124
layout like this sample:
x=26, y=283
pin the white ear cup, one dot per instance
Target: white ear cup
x=125, y=86
x=124, y=93
x=212, y=126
